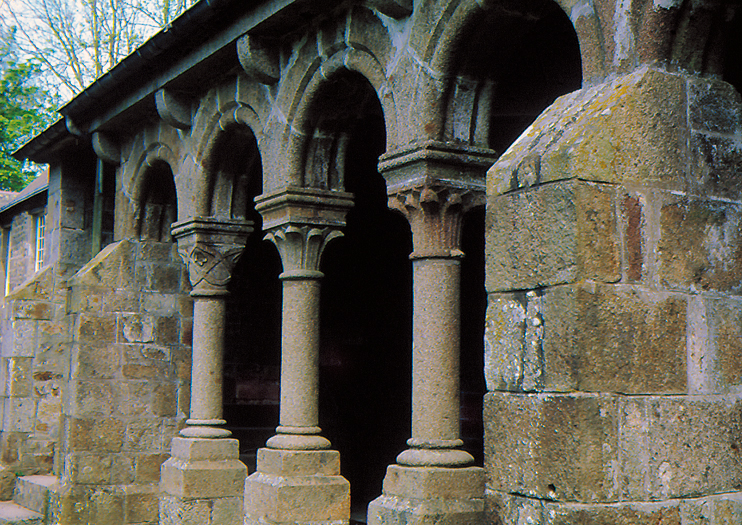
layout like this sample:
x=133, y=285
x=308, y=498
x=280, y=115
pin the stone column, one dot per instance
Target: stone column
x=433, y=478
x=435, y=215
x=204, y=476
x=298, y=478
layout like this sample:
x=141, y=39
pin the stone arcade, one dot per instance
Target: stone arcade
x=441, y=261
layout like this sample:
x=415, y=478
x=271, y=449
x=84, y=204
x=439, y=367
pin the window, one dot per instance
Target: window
x=40, y=227
x=6, y=259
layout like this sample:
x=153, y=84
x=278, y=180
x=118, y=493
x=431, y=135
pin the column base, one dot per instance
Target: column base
x=297, y=486
x=429, y=495
x=203, y=478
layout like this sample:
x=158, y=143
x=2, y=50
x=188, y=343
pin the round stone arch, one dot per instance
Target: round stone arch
x=450, y=28
x=310, y=87
x=486, y=61
x=212, y=163
x=156, y=160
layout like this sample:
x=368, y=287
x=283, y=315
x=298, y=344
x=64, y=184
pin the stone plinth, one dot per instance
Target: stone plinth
x=204, y=478
x=423, y=495
x=297, y=486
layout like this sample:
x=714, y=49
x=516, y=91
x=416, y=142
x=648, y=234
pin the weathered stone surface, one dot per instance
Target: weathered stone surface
x=21, y=339
x=32, y=310
x=589, y=337
x=144, y=435
x=609, y=448
x=273, y=498
x=633, y=129
x=634, y=243
x=700, y=246
x=723, y=509
x=93, y=398
x=715, y=162
x=684, y=446
x=97, y=329
x=714, y=106
x=32, y=492
x=19, y=414
x=299, y=462
x=96, y=361
x=112, y=268
x=419, y=483
x=20, y=378
x=551, y=234
x=141, y=504
x=148, y=467
x=88, y=469
x=99, y=435
x=204, y=449
x=7, y=483
x=548, y=446
x=714, y=362
x=203, y=479
x=630, y=340
x=219, y=511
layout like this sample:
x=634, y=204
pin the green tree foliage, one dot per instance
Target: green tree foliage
x=24, y=111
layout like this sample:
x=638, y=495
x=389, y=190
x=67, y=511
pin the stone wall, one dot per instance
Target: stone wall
x=33, y=368
x=613, y=273
x=128, y=393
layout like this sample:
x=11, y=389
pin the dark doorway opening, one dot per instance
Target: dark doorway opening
x=252, y=334
x=366, y=316
x=473, y=308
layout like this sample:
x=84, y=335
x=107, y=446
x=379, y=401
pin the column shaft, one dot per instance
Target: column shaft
x=300, y=353
x=206, y=369
x=435, y=355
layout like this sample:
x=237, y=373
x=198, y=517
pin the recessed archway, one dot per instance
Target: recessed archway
x=366, y=304
x=252, y=346
x=157, y=203
x=519, y=60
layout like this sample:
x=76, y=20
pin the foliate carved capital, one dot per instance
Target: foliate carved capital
x=300, y=222
x=436, y=214
x=301, y=248
x=210, y=248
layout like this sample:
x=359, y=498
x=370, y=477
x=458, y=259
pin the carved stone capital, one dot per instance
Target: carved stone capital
x=301, y=248
x=210, y=248
x=435, y=214
x=432, y=163
x=300, y=222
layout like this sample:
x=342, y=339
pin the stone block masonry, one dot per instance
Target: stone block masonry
x=612, y=268
x=613, y=273
x=128, y=390
x=33, y=371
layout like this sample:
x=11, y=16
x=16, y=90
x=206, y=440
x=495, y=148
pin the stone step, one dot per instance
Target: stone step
x=12, y=513
x=32, y=492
